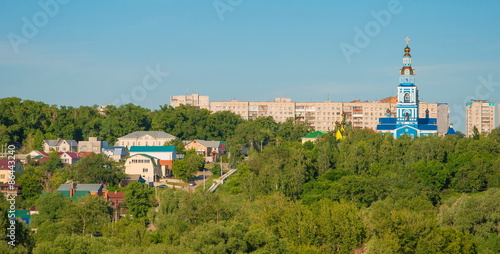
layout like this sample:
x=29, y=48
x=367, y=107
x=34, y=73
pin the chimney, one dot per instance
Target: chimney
x=73, y=189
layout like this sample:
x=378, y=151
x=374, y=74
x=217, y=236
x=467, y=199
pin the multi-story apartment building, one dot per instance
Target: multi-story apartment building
x=322, y=116
x=202, y=102
x=482, y=115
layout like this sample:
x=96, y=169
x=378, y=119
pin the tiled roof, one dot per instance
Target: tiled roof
x=4, y=163
x=154, y=134
x=145, y=149
x=84, y=154
x=116, y=194
x=72, y=155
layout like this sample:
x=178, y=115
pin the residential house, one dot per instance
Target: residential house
x=69, y=158
x=166, y=154
x=144, y=138
x=5, y=169
x=116, y=199
x=74, y=190
x=147, y=166
x=60, y=145
x=10, y=190
x=209, y=149
x=93, y=145
x=115, y=153
x=313, y=136
x=36, y=153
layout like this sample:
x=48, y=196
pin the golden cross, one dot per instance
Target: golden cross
x=407, y=40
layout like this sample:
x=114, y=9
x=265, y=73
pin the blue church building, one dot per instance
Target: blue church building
x=407, y=121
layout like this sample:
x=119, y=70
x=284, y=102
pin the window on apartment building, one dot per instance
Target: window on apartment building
x=83, y=148
x=145, y=170
x=2, y=176
x=94, y=148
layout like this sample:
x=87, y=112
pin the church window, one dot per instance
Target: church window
x=407, y=97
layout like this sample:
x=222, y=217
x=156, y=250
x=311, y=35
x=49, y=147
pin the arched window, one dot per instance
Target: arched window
x=407, y=97
x=407, y=116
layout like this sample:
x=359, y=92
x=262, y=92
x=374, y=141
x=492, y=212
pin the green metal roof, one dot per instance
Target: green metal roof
x=144, y=149
x=76, y=195
x=22, y=214
x=315, y=134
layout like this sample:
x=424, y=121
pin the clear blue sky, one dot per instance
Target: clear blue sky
x=93, y=52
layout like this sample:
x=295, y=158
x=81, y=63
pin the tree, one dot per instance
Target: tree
x=138, y=199
x=97, y=168
x=51, y=208
x=179, y=146
x=475, y=133
x=186, y=168
x=32, y=182
x=216, y=169
x=87, y=215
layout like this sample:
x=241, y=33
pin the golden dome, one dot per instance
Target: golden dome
x=407, y=51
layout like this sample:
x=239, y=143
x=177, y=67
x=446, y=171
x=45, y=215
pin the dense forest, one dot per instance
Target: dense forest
x=367, y=193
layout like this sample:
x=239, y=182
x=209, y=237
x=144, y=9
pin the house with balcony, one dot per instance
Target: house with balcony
x=148, y=167
x=211, y=150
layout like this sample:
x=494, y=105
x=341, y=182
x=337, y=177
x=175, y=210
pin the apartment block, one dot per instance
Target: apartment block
x=322, y=116
x=202, y=102
x=482, y=115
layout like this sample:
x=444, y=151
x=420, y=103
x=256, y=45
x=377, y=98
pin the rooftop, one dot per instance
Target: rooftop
x=154, y=134
x=315, y=134
x=82, y=187
x=143, y=149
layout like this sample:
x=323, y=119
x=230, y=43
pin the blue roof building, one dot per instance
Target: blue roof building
x=407, y=121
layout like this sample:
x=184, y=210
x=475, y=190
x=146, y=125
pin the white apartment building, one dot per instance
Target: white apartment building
x=202, y=102
x=482, y=115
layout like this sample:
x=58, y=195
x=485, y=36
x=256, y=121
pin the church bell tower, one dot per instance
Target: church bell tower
x=407, y=106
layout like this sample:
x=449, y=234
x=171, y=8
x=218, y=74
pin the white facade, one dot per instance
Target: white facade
x=146, y=166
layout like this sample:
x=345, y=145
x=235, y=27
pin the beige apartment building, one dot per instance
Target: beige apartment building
x=322, y=115
x=481, y=114
x=196, y=100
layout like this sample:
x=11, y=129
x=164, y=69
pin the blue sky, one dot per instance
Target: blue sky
x=100, y=52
